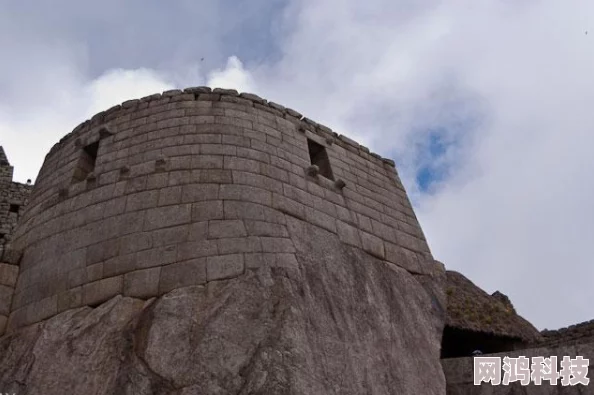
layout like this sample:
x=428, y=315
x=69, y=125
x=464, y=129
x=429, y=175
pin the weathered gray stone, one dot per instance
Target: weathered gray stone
x=142, y=283
x=5, y=299
x=224, y=266
x=183, y=274
x=373, y=244
x=8, y=274
x=102, y=290
x=226, y=228
x=292, y=316
x=348, y=234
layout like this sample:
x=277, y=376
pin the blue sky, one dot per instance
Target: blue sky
x=485, y=107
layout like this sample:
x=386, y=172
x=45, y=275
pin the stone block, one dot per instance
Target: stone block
x=196, y=249
x=257, y=260
x=182, y=274
x=135, y=242
x=240, y=244
x=259, y=228
x=170, y=195
x=218, y=149
x=70, y=299
x=320, y=219
x=345, y=215
x=364, y=223
x=131, y=222
x=40, y=310
x=248, y=210
x=142, y=284
x=413, y=230
x=257, y=180
x=100, y=291
x=159, y=256
x=77, y=277
x=277, y=244
x=276, y=173
x=115, y=206
x=373, y=245
x=288, y=261
x=198, y=231
x=95, y=272
x=235, y=163
x=167, y=236
x=348, y=234
x=207, y=162
x=245, y=193
x=208, y=210
x=224, y=266
x=11, y=255
x=288, y=206
x=179, y=177
x=119, y=264
x=402, y=257
x=199, y=192
x=226, y=228
x=8, y=274
x=5, y=299
x=253, y=154
x=213, y=176
x=384, y=231
x=412, y=243
x=3, y=324
x=162, y=217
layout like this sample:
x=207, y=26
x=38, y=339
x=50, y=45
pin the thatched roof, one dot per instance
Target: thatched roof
x=471, y=308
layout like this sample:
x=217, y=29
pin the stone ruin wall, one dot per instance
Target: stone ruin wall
x=460, y=380
x=13, y=199
x=575, y=340
x=574, y=334
x=194, y=186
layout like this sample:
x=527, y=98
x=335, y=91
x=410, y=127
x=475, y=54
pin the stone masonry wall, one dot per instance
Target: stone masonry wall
x=575, y=334
x=13, y=198
x=195, y=186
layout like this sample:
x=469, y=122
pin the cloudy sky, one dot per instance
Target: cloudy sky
x=486, y=106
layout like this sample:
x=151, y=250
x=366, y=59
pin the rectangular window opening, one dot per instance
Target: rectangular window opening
x=319, y=157
x=86, y=162
x=14, y=208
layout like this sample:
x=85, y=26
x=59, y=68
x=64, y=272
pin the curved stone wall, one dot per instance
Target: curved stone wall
x=192, y=186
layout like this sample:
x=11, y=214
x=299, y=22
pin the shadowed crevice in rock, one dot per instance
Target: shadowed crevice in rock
x=337, y=322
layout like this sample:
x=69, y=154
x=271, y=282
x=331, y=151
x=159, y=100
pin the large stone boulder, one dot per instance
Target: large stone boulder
x=335, y=321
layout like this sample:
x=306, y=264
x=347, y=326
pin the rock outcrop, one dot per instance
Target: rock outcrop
x=337, y=321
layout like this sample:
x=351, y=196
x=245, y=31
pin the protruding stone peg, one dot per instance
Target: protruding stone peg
x=329, y=141
x=104, y=132
x=339, y=183
x=312, y=170
x=161, y=159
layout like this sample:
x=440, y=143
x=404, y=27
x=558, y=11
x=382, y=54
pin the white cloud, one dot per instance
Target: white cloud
x=68, y=101
x=233, y=76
